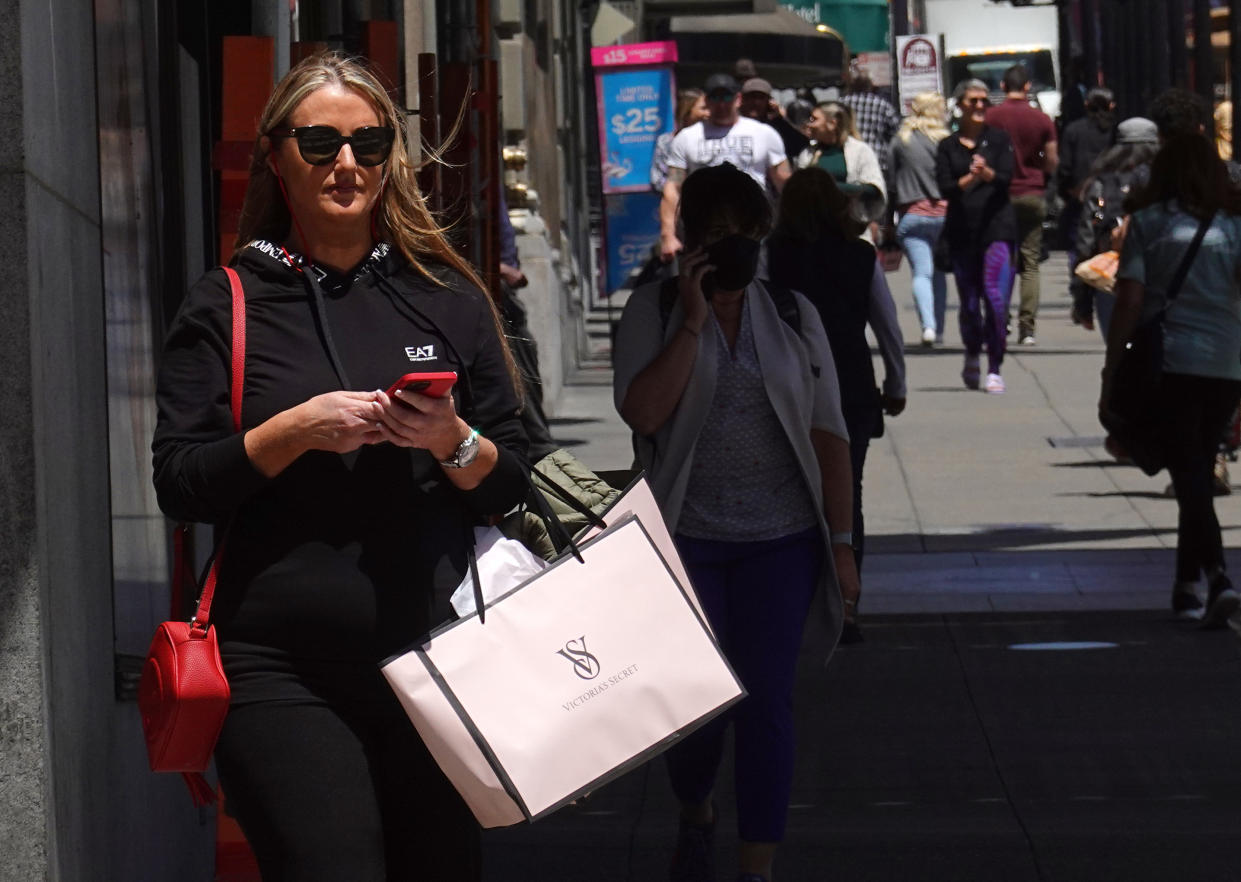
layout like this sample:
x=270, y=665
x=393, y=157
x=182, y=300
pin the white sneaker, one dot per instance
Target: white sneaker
x=928, y=336
x=994, y=384
x=1027, y=340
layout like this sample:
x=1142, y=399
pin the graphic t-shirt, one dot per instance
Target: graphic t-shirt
x=750, y=145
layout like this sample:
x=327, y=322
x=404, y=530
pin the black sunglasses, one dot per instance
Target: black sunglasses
x=319, y=145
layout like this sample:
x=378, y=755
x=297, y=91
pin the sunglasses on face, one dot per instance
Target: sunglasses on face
x=319, y=145
x=976, y=102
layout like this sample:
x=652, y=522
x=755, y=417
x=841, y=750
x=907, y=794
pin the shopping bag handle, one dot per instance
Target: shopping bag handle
x=559, y=535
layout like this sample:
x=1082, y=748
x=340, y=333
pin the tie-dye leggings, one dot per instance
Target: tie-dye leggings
x=984, y=284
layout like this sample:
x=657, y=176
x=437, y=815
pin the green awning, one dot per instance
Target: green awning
x=863, y=23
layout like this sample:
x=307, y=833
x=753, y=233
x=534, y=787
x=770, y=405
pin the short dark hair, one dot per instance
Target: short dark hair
x=1099, y=98
x=1015, y=78
x=723, y=192
x=1179, y=111
x=861, y=84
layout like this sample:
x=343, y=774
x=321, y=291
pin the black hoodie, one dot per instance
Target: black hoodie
x=339, y=560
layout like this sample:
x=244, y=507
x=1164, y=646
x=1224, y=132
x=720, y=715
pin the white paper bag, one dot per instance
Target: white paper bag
x=503, y=564
x=580, y=674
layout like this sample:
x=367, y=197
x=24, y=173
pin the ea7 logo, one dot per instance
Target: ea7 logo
x=420, y=353
x=585, y=665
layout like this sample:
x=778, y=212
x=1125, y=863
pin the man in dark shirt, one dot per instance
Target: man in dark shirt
x=1034, y=144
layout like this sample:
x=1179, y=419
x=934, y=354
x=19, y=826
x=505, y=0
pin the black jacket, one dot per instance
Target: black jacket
x=835, y=274
x=982, y=214
x=340, y=558
x=1081, y=144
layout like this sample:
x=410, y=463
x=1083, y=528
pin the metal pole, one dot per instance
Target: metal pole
x=1090, y=41
x=1204, y=73
x=1177, y=53
x=1234, y=55
x=1161, y=43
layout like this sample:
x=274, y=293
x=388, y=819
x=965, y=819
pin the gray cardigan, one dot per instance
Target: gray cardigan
x=913, y=169
x=798, y=372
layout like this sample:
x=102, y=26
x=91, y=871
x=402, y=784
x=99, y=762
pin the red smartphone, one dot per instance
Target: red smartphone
x=435, y=384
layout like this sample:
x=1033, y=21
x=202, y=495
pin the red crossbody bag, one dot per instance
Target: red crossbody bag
x=183, y=695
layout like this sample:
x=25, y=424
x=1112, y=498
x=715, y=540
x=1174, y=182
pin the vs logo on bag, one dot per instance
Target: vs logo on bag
x=585, y=665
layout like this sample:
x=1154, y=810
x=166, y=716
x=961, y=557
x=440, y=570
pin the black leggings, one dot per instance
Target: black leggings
x=343, y=794
x=1197, y=411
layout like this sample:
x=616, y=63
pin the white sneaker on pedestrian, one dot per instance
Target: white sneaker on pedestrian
x=994, y=384
x=1027, y=340
x=928, y=336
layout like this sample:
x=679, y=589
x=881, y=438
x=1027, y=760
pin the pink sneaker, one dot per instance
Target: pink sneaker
x=995, y=384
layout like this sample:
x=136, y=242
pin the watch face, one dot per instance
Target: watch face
x=465, y=454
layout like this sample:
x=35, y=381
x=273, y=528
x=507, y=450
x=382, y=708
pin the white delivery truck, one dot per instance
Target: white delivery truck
x=983, y=38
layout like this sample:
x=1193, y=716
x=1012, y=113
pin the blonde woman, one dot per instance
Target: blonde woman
x=836, y=147
x=921, y=207
x=348, y=509
x=691, y=108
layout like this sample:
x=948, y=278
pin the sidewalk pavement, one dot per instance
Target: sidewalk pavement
x=1023, y=706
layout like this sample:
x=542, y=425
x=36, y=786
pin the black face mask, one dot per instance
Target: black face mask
x=735, y=259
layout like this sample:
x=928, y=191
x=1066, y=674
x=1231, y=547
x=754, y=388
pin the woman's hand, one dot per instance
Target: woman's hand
x=693, y=300
x=339, y=422
x=892, y=406
x=847, y=578
x=411, y=419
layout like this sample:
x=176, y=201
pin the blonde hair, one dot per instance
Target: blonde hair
x=929, y=116
x=402, y=217
x=842, y=116
x=687, y=100
x=1223, y=130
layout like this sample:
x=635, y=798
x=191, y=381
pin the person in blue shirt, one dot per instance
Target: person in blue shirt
x=1200, y=389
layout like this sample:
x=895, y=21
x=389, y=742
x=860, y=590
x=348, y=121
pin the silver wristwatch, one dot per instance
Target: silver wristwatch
x=465, y=453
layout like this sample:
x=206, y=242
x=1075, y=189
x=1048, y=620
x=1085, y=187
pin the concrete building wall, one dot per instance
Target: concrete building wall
x=76, y=799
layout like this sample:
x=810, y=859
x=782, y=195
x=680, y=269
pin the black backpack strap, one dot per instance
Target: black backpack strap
x=1182, y=270
x=786, y=304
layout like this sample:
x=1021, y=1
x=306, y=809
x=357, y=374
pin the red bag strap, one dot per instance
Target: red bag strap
x=239, y=343
x=198, y=625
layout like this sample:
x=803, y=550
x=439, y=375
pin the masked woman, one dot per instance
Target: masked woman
x=347, y=511
x=734, y=398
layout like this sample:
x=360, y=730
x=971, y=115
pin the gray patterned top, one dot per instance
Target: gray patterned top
x=745, y=484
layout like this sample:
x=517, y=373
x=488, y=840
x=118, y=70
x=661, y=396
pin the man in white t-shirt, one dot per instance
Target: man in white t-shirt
x=724, y=136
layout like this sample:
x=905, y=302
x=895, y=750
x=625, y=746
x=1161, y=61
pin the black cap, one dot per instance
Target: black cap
x=719, y=84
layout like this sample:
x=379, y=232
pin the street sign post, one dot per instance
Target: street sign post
x=919, y=60
x=636, y=93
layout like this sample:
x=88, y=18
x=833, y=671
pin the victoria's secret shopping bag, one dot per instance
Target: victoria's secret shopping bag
x=578, y=675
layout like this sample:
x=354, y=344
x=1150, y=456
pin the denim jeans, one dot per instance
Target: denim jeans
x=917, y=234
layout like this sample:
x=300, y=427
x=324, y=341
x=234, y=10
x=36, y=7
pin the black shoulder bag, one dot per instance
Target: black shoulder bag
x=1131, y=415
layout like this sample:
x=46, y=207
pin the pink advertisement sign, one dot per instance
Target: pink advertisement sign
x=634, y=53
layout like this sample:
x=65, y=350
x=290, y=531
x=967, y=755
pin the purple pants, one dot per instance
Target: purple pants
x=984, y=284
x=756, y=596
